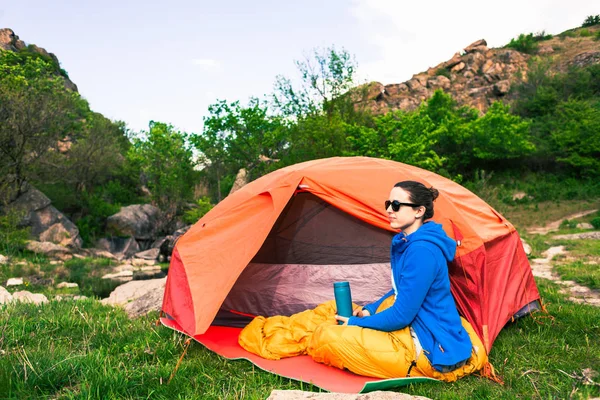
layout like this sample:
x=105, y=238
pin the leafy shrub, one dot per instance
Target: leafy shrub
x=585, y=33
x=540, y=36
x=193, y=215
x=96, y=210
x=568, y=224
x=524, y=43
x=597, y=35
x=595, y=222
x=443, y=72
x=591, y=20
x=12, y=236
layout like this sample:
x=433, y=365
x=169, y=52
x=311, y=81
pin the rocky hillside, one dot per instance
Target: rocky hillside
x=10, y=41
x=480, y=75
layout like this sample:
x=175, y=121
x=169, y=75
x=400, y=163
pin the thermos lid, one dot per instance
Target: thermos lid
x=341, y=284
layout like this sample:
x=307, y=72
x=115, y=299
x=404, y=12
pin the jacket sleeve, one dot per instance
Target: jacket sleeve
x=372, y=307
x=413, y=281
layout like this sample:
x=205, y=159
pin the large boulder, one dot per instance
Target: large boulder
x=167, y=245
x=139, y=221
x=120, y=247
x=138, y=297
x=49, y=249
x=46, y=222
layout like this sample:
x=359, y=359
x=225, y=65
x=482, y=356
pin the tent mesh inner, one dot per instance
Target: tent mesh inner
x=311, y=245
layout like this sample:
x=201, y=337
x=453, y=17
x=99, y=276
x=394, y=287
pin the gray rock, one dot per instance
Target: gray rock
x=501, y=88
x=123, y=276
x=3, y=260
x=150, y=301
x=151, y=254
x=241, y=179
x=139, y=221
x=28, y=297
x=585, y=225
x=575, y=236
x=5, y=296
x=526, y=247
x=480, y=46
x=49, y=249
x=67, y=285
x=119, y=247
x=138, y=297
x=46, y=222
x=14, y=282
x=439, y=81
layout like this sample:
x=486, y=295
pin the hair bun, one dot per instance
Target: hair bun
x=434, y=193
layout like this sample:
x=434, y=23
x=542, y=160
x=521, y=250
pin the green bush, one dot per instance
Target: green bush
x=12, y=236
x=96, y=210
x=568, y=224
x=524, y=43
x=443, y=72
x=595, y=222
x=585, y=33
x=203, y=206
x=591, y=20
x=540, y=36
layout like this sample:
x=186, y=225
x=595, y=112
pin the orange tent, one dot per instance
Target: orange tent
x=330, y=212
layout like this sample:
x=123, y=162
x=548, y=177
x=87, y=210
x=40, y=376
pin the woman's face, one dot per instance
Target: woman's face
x=407, y=218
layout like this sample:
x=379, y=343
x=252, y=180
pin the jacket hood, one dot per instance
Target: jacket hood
x=431, y=232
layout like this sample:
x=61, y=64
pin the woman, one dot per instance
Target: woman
x=414, y=330
x=420, y=301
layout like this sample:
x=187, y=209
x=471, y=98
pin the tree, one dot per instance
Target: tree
x=165, y=160
x=500, y=136
x=96, y=151
x=324, y=77
x=576, y=136
x=237, y=136
x=36, y=111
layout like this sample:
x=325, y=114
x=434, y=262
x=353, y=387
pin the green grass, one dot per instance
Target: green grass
x=87, y=350
x=86, y=272
x=584, y=274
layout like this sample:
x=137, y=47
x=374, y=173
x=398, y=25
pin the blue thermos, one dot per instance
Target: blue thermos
x=343, y=299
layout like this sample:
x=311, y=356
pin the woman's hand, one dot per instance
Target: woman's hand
x=343, y=319
x=360, y=312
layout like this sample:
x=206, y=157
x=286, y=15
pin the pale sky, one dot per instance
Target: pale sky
x=167, y=61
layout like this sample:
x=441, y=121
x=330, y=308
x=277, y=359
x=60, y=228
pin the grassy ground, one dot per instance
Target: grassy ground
x=85, y=350
x=64, y=350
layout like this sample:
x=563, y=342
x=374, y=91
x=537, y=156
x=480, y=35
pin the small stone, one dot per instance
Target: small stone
x=3, y=260
x=526, y=247
x=136, y=262
x=585, y=225
x=519, y=196
x=14, y=282
x=67, y=285
x=121, y=276
x=79, y=297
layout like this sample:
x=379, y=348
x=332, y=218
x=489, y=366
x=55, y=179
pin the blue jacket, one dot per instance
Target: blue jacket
x=423, y=300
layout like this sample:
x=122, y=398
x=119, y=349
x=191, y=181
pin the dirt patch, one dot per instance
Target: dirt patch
x=542, y=268
x=553, y=226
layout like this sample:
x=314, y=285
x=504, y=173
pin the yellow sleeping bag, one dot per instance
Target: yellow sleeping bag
x=361, y=350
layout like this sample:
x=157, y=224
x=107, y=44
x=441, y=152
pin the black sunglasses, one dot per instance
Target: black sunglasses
x=396, y=205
